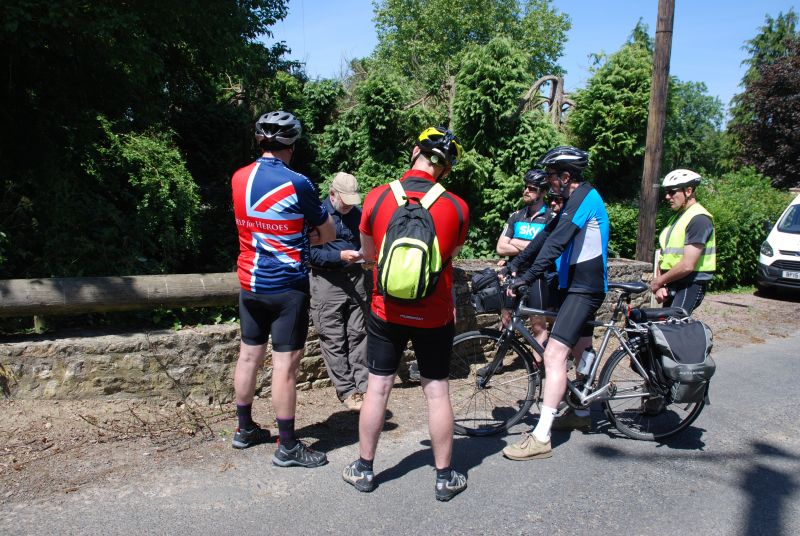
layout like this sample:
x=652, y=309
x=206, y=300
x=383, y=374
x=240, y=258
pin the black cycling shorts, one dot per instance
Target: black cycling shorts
x=576, y=309
x=284, y=316
x=386, y=343
x=542, y=294
x=689, y=297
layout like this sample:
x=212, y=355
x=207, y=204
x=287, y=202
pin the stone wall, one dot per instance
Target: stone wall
x=194, y=363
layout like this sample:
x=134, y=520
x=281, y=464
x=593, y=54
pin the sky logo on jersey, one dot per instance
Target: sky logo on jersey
x=527, y=231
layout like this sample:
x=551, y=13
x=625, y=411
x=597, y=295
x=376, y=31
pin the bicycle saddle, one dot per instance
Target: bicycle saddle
x=634, y=287
x=657, y=314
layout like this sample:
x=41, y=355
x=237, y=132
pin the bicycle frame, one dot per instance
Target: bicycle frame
x=585, y=393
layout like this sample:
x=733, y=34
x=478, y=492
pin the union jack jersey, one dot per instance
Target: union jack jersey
x=274, y=208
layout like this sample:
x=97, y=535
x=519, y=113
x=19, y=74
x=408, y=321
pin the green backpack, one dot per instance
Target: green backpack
x=410, y=262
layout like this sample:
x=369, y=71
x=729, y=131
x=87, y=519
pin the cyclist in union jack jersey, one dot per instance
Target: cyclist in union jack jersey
x=278, y=217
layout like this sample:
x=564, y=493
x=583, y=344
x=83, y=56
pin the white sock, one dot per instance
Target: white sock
x=542, y=430
x=582, y=412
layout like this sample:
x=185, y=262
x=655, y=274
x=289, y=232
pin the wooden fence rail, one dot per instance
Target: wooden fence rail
x=77, y=295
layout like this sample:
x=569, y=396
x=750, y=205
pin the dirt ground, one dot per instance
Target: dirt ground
x=51, y=448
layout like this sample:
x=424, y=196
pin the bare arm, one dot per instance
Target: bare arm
x=368, y=248
x=685, y=266
x=510, y=246
x=323, y=233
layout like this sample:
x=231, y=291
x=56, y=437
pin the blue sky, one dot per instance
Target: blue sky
x=707, y=40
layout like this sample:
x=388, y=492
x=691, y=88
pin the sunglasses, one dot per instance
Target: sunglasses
x=552, y=197
x=532, y=188
x=671, y=191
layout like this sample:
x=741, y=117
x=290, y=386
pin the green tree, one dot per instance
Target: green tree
x=771, y=140
x=769, y=45
x=765, y=48
x=153, y=212
x=165, y=73
x=692, y=135
x=373, y=137
x=740, y=202
x=425, y=39
x=489, y=85
x=610, y=116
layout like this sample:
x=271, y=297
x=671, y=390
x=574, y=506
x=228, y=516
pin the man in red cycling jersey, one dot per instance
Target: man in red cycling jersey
x=428, y=323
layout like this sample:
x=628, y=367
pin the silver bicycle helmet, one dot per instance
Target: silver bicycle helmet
x=278, y=129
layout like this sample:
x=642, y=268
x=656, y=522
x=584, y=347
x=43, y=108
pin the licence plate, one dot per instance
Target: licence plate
x=790, y=275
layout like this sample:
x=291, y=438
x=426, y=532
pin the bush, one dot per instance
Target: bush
x=145, y=197
x=624, y=226
x=740, y=202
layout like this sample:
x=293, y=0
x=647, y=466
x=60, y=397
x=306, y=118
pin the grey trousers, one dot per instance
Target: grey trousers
x=338, y=304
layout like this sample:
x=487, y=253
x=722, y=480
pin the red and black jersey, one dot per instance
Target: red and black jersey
x=450, y=218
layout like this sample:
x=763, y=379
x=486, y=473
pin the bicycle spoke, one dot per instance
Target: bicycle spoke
x=636, y=409
x=494, y=403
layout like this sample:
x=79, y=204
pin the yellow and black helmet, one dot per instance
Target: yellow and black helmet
x=439, y=143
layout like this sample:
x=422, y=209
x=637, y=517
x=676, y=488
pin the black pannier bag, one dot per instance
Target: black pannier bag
x=683, y=348
x=487, y=296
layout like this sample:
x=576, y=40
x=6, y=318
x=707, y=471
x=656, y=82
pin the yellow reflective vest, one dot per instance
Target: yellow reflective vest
x=673, y=240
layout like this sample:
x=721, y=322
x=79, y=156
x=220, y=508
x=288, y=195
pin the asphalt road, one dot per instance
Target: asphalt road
x=735, y=471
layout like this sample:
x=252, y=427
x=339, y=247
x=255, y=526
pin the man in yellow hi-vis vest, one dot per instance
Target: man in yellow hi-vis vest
x=688, y=245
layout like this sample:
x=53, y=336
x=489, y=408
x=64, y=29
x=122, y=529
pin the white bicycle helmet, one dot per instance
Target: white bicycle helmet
x=680, y=178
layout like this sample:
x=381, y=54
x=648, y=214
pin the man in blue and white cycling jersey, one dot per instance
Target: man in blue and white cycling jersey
x=578, y=238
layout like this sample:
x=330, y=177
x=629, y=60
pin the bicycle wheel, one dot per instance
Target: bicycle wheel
x=635, y=410
x=506, y=396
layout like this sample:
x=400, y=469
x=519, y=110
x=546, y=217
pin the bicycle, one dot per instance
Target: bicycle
x=494, y=378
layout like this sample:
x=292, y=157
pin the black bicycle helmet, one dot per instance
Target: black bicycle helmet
x=555, y=193
x=278, y=129
x=536, y=178
x=439, y=143
x=565, y=158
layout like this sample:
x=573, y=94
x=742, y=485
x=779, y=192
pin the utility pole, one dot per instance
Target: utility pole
x=656, y=116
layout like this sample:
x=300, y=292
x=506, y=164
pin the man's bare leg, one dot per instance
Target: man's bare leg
x=285, y=366
x=251, y=359
x=440, y=420
x=373, y=414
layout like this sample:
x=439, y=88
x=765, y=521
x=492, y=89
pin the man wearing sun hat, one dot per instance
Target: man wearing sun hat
x=339, y=295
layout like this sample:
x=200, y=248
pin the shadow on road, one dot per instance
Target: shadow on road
x=768, y=490
x=340, y=429
x=467, y=453
x=689, y=439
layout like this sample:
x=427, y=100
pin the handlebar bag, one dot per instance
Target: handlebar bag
x=489, y=299
x=483, y=279
x=487, y=296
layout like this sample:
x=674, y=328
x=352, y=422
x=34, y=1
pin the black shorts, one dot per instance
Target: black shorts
x=542, y=294
x=689, y=297
x=284, y=316
x=386, y=343
x=576, y=309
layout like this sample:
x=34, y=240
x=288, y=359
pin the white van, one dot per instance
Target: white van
x=779, y=262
